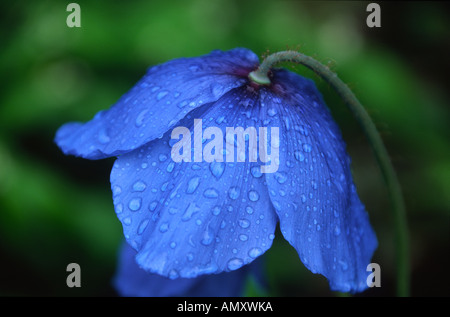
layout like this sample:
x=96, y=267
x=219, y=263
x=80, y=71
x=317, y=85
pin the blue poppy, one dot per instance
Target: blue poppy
x=131, y=280
x=194, y=215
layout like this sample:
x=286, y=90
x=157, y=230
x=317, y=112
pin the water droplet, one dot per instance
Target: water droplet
x=255, y=252
x=164, y=186
x=249, y=210
x=210, y=193
x=173, y=245
x=139, y=186
x=217, y=168
x=119, y=208
x=256, y=171
x=135, y=204
x=170, y=167
x=343, y=265
x=234, y=192
x=253, y=195
x=303, y=197
x=244, y=223
x=193, y=184
x=299, y=156
x=190, y=256
x=220, y=119
x=116, y=190
x=162, y=157
x=190, y=211
x=182, y=104
x=161, y=95
x=140, y=118
x=103, y=137
x=194, y=68
x=142, y=226
x=173, y=274
x=243, y=237
x=208, y=236
x=217, y=90
x=153, y=205
x=272, y=112
x=281, y=177
x=234, y=264
x=164, y=227
x=126, y=221
x=216, y=210
x=307, y=147
x=144, y=165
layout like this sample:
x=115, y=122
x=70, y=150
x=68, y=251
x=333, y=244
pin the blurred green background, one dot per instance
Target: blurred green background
x=56, y=209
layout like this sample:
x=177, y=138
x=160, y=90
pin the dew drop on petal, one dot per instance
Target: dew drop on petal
x=143, y=225
x=217, y=90
x=253, y=195
x=135, y=204
x=255, y=252
x=164, y=227
x=244, y=223
x=210, y=193
x=281, y=177
x=243, y=237
x=303, y=197
x=127, y=221
x=299, y=156
x=193, y=184
x=161, y=95
x=216, y=211
x=103, y=138
x=119, y=208
x=173, y=274
x=217, y=168
x=272, y=112
x=234, y=264
x=140, y=118
x=234, y=192
x=117, y=190
x=153, y=205
x=307, y=147
x=139, y=186
x=207, y=237
x=170, y=167
x=256, y=171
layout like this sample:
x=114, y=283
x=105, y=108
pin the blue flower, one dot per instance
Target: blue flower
x=187, y=214
x=130, y=280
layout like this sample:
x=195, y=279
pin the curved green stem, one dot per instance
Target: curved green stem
x=261, y=77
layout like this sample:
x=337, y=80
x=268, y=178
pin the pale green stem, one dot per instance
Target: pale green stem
x=261, y=77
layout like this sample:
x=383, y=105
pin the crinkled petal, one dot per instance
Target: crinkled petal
x=130, y=280
x=156, y=103
x=313, y=191
x=191, y=218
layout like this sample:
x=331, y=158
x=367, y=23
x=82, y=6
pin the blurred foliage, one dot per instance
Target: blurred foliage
x=56, y=209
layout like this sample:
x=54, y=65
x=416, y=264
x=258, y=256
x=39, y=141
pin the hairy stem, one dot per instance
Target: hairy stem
x=261, y=77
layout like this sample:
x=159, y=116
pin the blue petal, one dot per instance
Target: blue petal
x=313, y=192
x=156, y=103
x=130, y=280
x=191, y=218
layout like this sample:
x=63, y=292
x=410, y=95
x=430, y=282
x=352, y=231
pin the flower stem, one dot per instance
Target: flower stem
x=261, y=77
